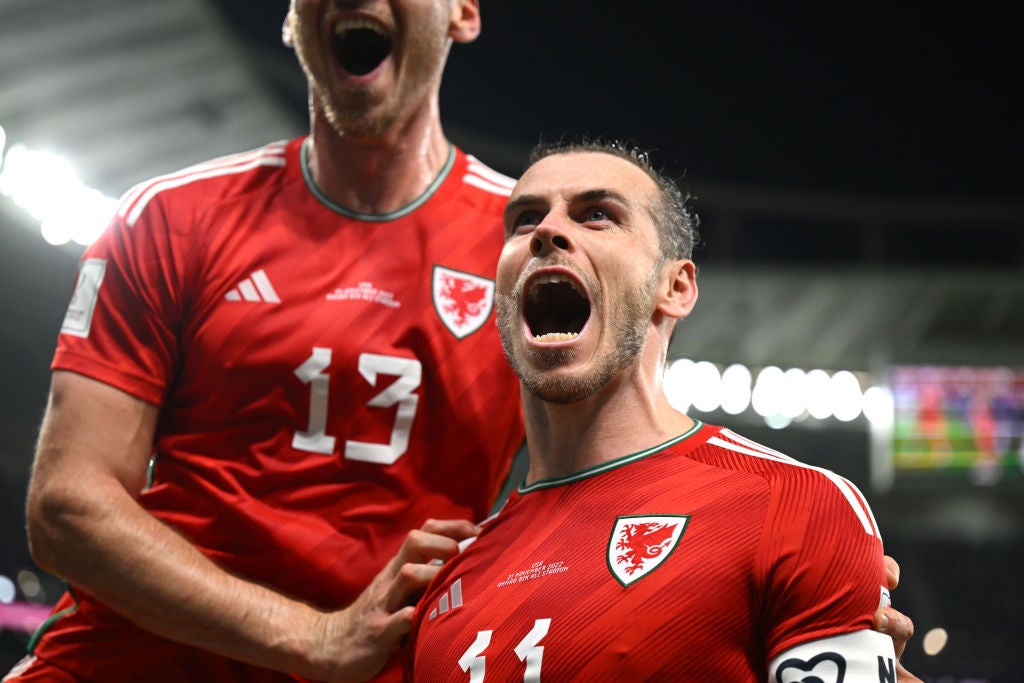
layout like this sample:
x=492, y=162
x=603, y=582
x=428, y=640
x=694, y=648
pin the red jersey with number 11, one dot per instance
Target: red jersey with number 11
x=708, y=558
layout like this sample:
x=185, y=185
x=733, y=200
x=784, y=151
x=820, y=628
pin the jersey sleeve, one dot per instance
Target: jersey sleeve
x=120, y=326
x=821, y=562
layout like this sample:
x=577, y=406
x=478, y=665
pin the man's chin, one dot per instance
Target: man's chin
x=561, y=388
x=360, y=120
x=562, y=391
x=545, y=359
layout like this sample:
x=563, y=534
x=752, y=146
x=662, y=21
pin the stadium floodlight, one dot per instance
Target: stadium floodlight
x=817, y=384
x=793, y=396
x=49, y=189
x=879, y=406
x=847, y=399
x=736, y=387
x=767, y=391
x=677, y=388
x=6, y=590
x=706, y=382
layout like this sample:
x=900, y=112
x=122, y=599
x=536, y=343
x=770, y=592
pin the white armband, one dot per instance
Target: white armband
x=857, y=657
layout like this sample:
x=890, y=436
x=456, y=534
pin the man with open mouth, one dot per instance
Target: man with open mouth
x=643, y=545
x=276, y=364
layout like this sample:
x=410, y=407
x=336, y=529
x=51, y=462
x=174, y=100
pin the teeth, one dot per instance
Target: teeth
x=554, y=279
x=358, y=22
x=557, y=336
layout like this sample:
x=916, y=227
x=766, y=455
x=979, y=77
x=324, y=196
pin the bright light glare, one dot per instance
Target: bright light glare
x=779, y=397
x=793, y=401
x=879, y=406
x=736, y=381
x=767, y=390
x=82, y=219
x=934, y=641
x=6, y=590
x=676, y=388
x=29, y=583
x=49, y=189
x=706, y=385
x=777, y=421
x=846, y=396
x=817, y=386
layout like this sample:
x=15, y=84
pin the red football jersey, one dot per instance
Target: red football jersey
x=702, y=559
x=327, y=380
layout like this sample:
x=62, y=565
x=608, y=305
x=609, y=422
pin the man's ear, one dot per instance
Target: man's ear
x=286, y=30
x=677, y=294
x=464, y=26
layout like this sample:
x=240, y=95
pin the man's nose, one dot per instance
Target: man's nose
x=549, y=237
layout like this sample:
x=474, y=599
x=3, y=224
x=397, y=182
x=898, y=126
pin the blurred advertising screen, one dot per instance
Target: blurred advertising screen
x=958, y=422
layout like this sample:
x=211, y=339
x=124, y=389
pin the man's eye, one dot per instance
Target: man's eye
x=595, y=215
x=527, y=219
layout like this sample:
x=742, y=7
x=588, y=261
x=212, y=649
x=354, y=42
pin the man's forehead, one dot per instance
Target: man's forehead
x=576, y=173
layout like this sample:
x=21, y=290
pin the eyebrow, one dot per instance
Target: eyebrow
x=588, y=196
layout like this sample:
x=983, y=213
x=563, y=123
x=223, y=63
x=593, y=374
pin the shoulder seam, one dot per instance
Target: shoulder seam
x=738, y=444
x=137, y=198
x=482, y=176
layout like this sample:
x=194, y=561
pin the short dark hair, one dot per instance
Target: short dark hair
x=675, y=221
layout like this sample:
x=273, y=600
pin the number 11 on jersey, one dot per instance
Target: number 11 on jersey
x=529, y=651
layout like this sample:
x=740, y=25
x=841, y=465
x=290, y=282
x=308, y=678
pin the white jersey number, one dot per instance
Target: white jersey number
x=315, y=439
x=528, y=650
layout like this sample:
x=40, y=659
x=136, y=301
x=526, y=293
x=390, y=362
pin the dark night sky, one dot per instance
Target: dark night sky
x=909, y=99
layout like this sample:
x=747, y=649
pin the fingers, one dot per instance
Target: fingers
x=399, y=624
x=458, y=529
x=409, y=583
x=420, y=558
x=896, y=625
x=892, y=573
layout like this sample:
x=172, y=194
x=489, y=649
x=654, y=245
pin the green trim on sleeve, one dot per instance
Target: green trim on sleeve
x=44, y=627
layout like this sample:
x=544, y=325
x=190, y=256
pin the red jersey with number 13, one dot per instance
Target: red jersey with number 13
x=327, y=380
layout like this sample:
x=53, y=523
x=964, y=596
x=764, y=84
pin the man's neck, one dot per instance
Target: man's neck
x=617, y=421
x=382, y=174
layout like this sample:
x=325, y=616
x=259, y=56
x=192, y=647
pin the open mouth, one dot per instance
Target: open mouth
x=556, y=309
x=360, y=46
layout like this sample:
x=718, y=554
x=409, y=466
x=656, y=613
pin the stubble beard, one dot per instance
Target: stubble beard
x=361, y=113
x=357, y=116
x=629, y=322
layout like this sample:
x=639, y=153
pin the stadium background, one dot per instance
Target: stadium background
x=857, y=170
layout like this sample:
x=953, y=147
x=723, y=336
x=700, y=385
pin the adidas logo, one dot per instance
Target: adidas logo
x=450, y=600
x=256, y=287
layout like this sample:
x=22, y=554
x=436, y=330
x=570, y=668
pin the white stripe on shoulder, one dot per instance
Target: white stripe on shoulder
x=847, y=488
x=274, y=148
x=484, y=171
x=485, y=185
x=136, y=199
x=726, y=432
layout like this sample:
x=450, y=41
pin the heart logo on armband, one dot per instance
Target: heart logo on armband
x=828, y=667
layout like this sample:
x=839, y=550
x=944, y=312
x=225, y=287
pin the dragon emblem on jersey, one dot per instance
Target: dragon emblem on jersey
x=462, y=301
x=640, y=543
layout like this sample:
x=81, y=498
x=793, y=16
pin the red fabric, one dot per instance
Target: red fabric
x=772, y=553
x=244, y=466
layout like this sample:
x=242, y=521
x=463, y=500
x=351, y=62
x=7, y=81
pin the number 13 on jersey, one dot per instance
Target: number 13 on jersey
x=315, y=439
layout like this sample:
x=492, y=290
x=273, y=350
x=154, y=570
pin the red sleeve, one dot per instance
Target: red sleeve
x=821, y=560
x=120, y=327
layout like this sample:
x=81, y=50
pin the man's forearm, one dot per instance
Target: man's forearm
x=102, y=541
